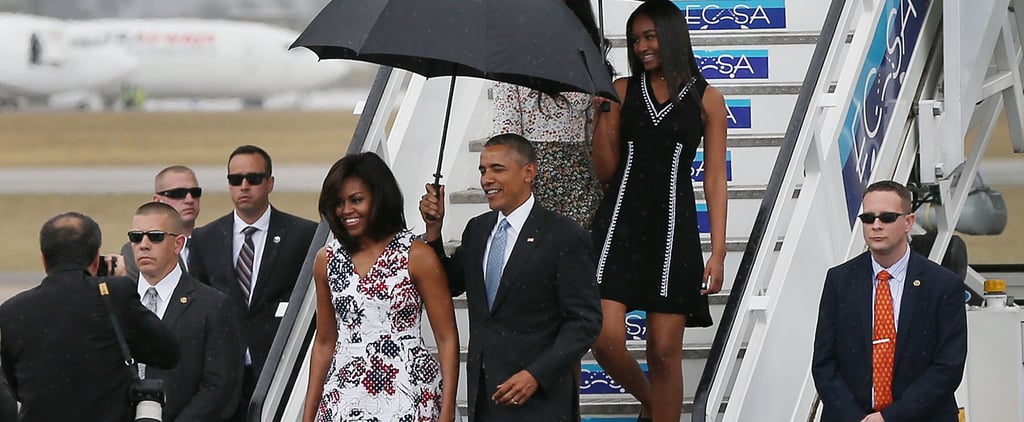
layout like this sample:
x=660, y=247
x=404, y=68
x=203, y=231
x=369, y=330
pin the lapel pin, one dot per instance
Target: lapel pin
x=529, y=240
x=917, y=283
x=277, y=239
x=183, y=299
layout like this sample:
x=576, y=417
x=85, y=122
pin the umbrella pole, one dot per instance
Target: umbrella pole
x=444, y=133
x=605, y=107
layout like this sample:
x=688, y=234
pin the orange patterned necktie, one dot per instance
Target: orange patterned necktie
x=884, y=343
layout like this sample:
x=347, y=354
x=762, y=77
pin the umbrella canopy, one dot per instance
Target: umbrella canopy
x=539, y=44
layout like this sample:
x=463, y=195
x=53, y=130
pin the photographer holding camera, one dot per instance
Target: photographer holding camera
x=59, y=350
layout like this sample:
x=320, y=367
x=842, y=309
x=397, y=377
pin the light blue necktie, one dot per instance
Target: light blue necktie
x=496, y=261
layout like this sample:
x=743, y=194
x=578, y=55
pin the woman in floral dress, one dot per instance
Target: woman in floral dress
x=560, y=128
x=369, y=362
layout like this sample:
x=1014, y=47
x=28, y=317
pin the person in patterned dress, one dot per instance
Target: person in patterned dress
x=561, y=128
x=369, y=361
x=646, y=226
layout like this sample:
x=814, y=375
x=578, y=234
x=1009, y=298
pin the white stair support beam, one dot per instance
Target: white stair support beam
x=1007, y=58
x=932, y=167
x=405, y=114
x=975, y=281
x=952, y=205
x=996, y=84
x=376, y=139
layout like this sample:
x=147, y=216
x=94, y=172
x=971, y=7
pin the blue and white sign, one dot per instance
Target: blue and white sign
x=733, y=14
x=874, y=98
x=733, y=64
x=738, y=113
x=636, y=325
x=594, y=380
x=703, y=219
x=697, y=168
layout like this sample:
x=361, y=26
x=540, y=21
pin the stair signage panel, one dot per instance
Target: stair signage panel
x=874, y=98
x=733, y=64
x=636, y=325
x=594, y=380
x=733, y=14
x=703, y=219
x=738, y=113
x=697, y=167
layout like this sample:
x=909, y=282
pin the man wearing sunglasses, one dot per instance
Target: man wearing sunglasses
x=175, y=186
x=204, y=385
x=891, y=340
x=254, y=254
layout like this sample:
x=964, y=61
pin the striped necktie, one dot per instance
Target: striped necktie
x=243, y=266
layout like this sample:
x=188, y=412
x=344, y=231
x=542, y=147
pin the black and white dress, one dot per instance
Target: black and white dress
x=646, y=226
x=381, y=370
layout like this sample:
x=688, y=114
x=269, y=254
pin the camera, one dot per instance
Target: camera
x=147, y=397
x=107, y=265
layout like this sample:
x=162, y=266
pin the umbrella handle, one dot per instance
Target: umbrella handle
x=444, y=131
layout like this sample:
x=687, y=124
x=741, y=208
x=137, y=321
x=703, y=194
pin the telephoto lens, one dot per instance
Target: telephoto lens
x=147, y=395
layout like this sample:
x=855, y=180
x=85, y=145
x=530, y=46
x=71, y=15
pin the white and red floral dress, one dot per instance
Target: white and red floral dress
x=381, y=369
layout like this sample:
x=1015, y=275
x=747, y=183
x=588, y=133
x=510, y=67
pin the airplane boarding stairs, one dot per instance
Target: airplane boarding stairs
x=762, y=67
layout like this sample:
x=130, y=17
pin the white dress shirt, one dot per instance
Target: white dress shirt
x=184, y=252
x=164, y=289
x=516, y=220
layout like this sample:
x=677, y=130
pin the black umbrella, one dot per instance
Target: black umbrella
x=539, y=44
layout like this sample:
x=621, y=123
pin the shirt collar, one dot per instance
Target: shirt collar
x=165, y=287
x=263, y=223
x=517, y=218
x=898, y=270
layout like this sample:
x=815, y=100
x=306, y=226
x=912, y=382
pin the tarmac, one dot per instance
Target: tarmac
x=139, y=179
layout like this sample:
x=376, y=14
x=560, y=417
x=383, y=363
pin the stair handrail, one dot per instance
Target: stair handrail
x=290, y=322
x=766, y=210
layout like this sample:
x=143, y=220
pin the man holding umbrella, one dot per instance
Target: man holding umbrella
x=528, y=274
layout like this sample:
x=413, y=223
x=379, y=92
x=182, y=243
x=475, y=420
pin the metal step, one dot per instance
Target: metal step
x=733, y=141
x=716, y=17
x=625, y=407
x=732, y=244
x=637, y=350
x=476, y=195
x=741, y=37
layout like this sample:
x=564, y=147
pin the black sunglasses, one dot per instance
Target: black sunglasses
x=253, y=178
x=886, y=217
x=155, y=236
x=181, y=193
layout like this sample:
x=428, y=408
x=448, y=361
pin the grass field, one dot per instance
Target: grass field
x=95, y=139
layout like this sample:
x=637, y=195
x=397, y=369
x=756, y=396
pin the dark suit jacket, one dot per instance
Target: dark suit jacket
x=546, y=313
x=8, y=404
x=931, y=343
x=213, y=264
x=205, y=384
x=60, y=354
